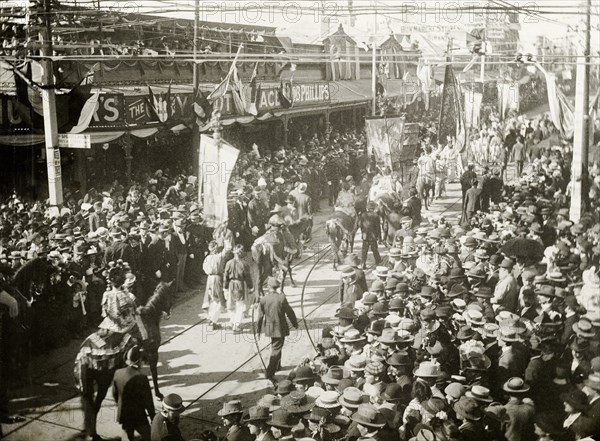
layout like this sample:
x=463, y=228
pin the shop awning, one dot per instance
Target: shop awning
x=21, y=140
x=358, y=90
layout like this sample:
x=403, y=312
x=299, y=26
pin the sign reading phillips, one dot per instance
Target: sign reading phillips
x=301, y=94
x=310, y=93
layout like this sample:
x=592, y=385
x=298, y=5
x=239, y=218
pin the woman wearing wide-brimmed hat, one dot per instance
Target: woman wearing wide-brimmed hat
x=468, y=411
x=256, y=421
x=575, y=403
x=281, y=423
x=369, y=420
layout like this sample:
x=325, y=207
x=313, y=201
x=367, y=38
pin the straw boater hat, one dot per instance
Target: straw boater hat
x=515, y=386
x=351, y=398
x=352, y=336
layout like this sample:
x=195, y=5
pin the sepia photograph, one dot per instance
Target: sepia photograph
x=299, y=220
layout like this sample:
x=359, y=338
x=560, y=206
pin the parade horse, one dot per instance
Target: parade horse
x=425, y=187
x=300, y=232
x=340, y=229
x=389, y=208
x=29, y=284
x=149, y=324
x=273, y=253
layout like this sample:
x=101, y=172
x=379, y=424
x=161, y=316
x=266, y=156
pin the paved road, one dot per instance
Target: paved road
x=204, y=367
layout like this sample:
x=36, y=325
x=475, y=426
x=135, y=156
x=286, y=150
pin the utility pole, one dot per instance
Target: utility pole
x=579, y=176
x=374, y=65
x=483, y=47
x=195, y=86
x=55, y=190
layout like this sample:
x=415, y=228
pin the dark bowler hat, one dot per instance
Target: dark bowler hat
x=173, y=402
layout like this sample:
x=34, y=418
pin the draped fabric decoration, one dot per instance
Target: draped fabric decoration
x=426, y=81
x=341, y=49
x=70, y=106
x=508, y=97
x=473, y=99
x=561, y=112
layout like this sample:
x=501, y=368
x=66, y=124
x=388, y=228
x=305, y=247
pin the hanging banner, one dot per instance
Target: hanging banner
x=473, y=99
x=452, y=116
x=395, y=134
x=508, y=97
x=561, y=111
x=377, y=140
x=217, y=160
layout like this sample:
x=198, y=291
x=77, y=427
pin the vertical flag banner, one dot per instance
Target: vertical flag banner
x=223, y=86
x=561, y=111
x=378, y=141
x=160, y=104
x=217, y=160
x=452, y=116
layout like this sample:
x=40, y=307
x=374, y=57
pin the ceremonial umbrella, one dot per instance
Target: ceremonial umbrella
x=523, y=247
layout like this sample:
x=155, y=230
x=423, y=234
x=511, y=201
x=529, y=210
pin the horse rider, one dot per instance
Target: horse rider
x=346, y=200
x=304, y=209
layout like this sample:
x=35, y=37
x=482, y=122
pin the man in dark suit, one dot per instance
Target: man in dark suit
x=131, y=391
x=179, y=243
x=119, y=249
x=471, y=203
x=258, y=215
x=413, y=207
x=238, y=219
x=540, y=374
x=274, y=308
x=466, y=180
x=514, y=355
x=370, y=228
x=589, y=421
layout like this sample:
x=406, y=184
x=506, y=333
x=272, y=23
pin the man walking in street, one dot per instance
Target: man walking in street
x=131, y=391
x=273, y=310
x=518, y=153
x=370, y=228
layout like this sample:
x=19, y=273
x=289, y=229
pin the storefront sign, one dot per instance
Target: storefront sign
x=9, y=117
x=74, y=141
x=302, y=94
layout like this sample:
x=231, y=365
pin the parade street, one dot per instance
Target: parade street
x=204, y=367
